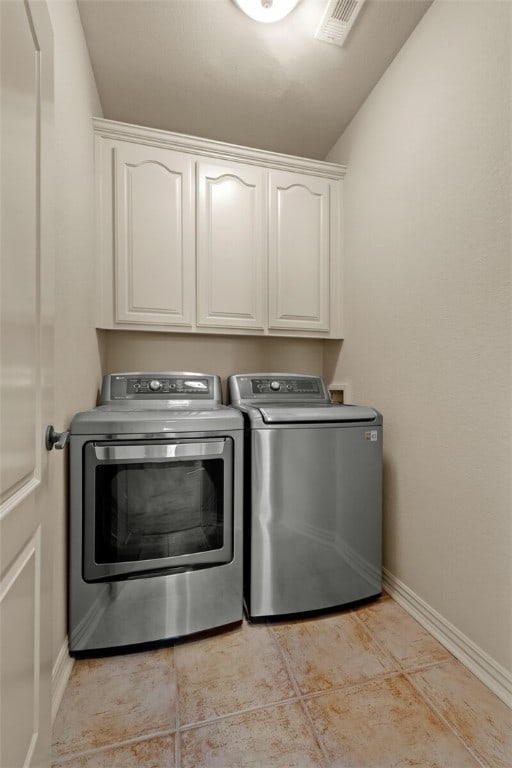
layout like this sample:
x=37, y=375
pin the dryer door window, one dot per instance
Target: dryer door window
x=156, y=506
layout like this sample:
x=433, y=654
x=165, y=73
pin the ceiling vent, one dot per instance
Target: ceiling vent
x=337, y=20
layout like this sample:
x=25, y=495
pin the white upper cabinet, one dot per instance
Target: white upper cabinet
x=231, y=246
x=200, y=236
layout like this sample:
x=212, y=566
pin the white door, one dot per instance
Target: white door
x=231, y=245
x=26, y=369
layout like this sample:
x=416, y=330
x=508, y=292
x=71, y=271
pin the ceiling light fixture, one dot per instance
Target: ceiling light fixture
x=267, y=10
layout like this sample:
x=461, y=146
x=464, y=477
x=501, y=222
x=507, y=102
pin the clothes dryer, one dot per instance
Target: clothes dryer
x=155, y=528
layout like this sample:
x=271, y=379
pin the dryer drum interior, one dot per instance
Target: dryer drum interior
x=154, y=505
x=143, y=513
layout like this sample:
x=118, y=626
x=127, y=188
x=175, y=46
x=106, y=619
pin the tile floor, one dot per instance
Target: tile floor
x=361, y=688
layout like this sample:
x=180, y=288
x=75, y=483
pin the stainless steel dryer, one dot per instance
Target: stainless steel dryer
x=155, y=511
x=313, y=495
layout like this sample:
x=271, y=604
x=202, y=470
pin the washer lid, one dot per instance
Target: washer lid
x=296, y=414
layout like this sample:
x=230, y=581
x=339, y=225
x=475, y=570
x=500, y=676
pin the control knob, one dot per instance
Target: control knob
x=275, y=386
x=155, y=385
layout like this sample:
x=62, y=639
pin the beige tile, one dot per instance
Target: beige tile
x=226, y=673
x=116, y=698
x=401, y=635
x=279, y=737
x=382, y=724
x=479, y=717
x=331, y=652
x=153, y=753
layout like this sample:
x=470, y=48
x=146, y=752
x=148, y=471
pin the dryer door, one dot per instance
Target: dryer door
x=156, y=506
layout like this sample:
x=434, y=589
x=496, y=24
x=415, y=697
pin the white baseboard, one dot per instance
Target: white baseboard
x=492, y=674
x=60, y=676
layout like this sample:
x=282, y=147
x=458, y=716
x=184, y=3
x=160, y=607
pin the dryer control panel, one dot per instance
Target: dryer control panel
x=164, y=385
x=160, y=386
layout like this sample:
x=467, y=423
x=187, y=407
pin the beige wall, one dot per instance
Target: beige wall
x=428, y=309
x=223, y=355
x=77, y=358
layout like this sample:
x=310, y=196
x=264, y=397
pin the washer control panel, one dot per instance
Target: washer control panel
x=261, y=388
x=159, y=386
x=285, y=386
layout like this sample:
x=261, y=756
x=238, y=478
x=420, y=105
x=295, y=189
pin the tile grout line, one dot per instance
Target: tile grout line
x=431, y=704
x=352, y=686
x=309, y=718
x=112, y=745
x=387, y=654
x=292, y=700
x=236, y=712
x=284, y=659
x=428, y=665
x=295, y=685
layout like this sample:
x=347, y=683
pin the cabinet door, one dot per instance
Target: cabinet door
x=299, y=252
x=230, y=245
x=154, y=235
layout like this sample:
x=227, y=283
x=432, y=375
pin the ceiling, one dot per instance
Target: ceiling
x=203, y=68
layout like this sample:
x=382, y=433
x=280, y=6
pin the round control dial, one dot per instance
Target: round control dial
x=155, y=385
x=275, y=386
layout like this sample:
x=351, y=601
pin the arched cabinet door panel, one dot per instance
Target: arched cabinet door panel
x=153, y=236
x=231, y=240
x=299, y=252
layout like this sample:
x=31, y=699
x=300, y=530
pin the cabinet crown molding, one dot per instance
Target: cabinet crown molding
x=111, y=129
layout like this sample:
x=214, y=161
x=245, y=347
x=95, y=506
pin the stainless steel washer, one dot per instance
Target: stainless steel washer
x=313, y=495
x=155, y=511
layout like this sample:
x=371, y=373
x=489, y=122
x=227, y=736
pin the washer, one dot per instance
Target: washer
x=313, y=495
x=155, y=549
